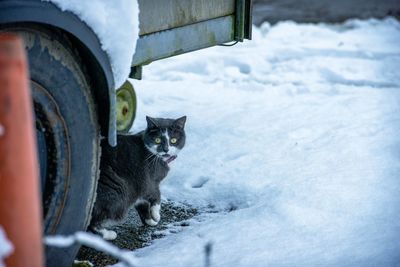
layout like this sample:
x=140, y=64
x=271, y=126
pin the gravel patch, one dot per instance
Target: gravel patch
x=132, y=234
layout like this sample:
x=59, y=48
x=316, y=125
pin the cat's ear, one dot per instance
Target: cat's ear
x=180, y=123
x=151, y=122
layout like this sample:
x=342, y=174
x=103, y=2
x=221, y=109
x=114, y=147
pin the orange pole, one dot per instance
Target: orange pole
x=20, y=210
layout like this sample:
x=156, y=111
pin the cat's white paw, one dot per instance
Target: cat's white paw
x=108, y=234
x=155, y=212
x=151, y=222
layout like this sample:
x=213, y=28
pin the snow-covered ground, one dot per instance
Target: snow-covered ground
x=6, y=248
x=293, y=139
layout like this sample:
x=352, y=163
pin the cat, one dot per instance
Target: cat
x=131, y=172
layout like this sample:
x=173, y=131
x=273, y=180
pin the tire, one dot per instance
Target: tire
x=67, y=133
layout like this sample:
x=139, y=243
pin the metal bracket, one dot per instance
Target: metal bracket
x=243, y=20
x=136, y=72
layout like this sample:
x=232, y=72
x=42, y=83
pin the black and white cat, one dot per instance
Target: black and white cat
x=131, y=173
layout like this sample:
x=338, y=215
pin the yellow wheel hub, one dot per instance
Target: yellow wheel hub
x=126, y=107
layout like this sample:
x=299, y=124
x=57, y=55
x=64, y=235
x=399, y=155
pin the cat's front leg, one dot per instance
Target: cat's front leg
x=155, y=211
x=155, y=201
x=149, y=214
x=106, y=234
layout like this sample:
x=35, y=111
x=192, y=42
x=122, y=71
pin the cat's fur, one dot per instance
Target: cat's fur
x=131, y=173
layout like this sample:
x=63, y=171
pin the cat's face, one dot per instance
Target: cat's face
x=165, y=137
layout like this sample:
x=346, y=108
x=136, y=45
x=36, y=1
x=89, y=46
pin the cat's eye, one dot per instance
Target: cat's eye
x=157, y=140
x=173, y=140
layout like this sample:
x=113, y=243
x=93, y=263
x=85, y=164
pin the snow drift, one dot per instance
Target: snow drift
x=116, y=23
x=292, y=140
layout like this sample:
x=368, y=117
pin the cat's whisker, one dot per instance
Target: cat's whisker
x=149, y=157
x=153, y=160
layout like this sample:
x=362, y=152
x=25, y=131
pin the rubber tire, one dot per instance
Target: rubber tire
x=56, y=68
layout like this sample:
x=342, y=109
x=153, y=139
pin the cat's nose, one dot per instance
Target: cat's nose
x=165, y=148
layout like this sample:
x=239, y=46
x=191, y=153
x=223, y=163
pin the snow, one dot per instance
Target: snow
x=81, y=263
x=2, y=130
x=92, y=241
x=6, y=248
x=292, y=151
x=116, y=23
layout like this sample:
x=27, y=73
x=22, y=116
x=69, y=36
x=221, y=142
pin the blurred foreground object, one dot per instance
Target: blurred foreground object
x=322, y=10
x=20, y=212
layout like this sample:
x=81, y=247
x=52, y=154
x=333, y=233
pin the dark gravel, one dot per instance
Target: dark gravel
x=132, y=234
x=322, y=10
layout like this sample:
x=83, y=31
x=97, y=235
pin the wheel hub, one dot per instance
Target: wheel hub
x=53, y=152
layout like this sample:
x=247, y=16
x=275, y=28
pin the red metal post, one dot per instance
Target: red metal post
x=20, y=210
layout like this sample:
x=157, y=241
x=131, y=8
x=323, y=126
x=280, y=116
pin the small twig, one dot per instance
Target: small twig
x=208, y=252
x=92, y=241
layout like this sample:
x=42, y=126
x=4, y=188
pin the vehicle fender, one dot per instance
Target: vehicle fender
x=84, y=39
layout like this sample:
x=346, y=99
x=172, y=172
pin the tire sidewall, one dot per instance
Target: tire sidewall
x=57, y=69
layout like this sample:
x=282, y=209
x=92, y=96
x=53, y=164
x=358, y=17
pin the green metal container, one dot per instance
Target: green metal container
x=173, y=27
